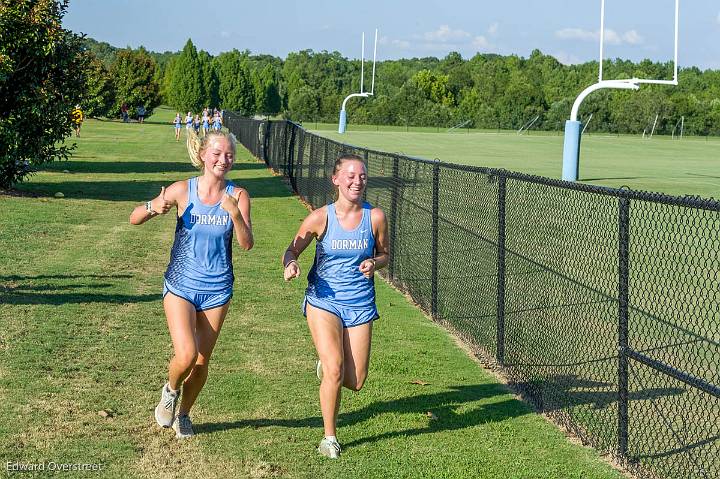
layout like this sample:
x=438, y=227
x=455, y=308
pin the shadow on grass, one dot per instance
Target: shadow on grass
x=136, y=190
x=442, y=405
x=564, y=391
x=90, y=166
x=17, y=289
x=615, y=178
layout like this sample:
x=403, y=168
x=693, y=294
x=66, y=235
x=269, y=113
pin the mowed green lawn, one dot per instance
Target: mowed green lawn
x=679, y=167
x=84, y=332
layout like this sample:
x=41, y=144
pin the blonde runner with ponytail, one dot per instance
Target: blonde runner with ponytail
x=196, y=145
x=212, y=214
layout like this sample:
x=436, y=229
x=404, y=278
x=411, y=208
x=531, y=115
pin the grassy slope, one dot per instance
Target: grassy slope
x=84, y=331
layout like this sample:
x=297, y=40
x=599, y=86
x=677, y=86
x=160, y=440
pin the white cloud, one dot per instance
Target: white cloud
x=718, y=17
x=445, y=34
x=611, y=37
x=444, y=39
x=402, y=44
x=481, y=43
x=575, y=34
x=631, y=37
x=225, y=34
x=493, y=29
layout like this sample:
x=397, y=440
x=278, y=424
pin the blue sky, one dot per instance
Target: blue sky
x=568, y=30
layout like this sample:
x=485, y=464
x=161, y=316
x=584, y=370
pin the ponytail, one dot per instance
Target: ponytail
x=196, y=145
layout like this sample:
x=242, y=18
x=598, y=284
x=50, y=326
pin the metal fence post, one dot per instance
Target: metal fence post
x=434, y=245
x=266, y=141
x=500, y=332
x=394, y=192
x=623, y=295
x=309, y=195
x=299, y=159
x=291, y=152
x=367, y=170
x=326, y=154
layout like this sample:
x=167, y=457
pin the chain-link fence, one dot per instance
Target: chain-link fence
x=601, y=306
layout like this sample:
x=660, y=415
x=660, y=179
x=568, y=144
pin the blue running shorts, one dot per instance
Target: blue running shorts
x=201, y=301
x=348, y=316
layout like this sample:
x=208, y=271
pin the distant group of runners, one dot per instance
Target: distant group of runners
x=351, y=244
x=206, y=121
x=77, y=116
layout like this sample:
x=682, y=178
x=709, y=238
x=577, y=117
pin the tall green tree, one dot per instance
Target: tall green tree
x=236, y=90
x=267, y=94
x=99, y=97
x=42, y=77
x=210, y=82
x=166, y=84
x=134, y=75
x=304, y=104
x=186, y=91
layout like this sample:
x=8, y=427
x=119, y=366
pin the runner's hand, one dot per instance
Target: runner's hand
x=160, y=205
x=367, y=268
x=229, y=203
x=292, y=270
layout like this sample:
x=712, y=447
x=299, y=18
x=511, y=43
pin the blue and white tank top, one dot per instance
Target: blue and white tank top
x=201, y=256
x=335, y=275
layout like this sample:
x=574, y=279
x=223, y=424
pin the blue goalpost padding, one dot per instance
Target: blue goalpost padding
x=571, y=150
x=343, y=121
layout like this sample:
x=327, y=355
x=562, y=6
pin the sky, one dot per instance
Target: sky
x=568, y=30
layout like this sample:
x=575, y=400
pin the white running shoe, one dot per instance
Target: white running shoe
x=329, y=448
x=318, y=370
x=165, y=410
x=183, y=426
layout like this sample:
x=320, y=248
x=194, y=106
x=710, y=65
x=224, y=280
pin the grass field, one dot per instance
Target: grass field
x=679, y=167
x=84, y=332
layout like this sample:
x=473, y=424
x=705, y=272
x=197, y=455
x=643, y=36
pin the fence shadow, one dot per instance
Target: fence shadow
x=564, y=391
x=90, y=166
x=444, y=405
x=141, y=190
x=20, y=289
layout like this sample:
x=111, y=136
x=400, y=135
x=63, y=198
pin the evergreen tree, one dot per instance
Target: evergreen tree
x=267, y=95
x=235, y=89
x=210, y=82
x=186, y=87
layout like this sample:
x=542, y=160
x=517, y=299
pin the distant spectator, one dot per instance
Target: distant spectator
x=77, y=118
x=141, y=113
x=124, y=112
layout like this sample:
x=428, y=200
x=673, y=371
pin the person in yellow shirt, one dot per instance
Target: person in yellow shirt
x=77, y=118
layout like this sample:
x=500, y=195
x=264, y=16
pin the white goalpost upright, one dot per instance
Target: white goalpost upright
x=364, y=94
x=573, y=127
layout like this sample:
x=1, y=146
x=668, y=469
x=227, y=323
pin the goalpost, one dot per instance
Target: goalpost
x=364, y=94
x=528, y=124
x=681, y=124
x=573, y=127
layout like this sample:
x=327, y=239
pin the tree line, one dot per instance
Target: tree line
x=45, y=70
x=486, y=91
